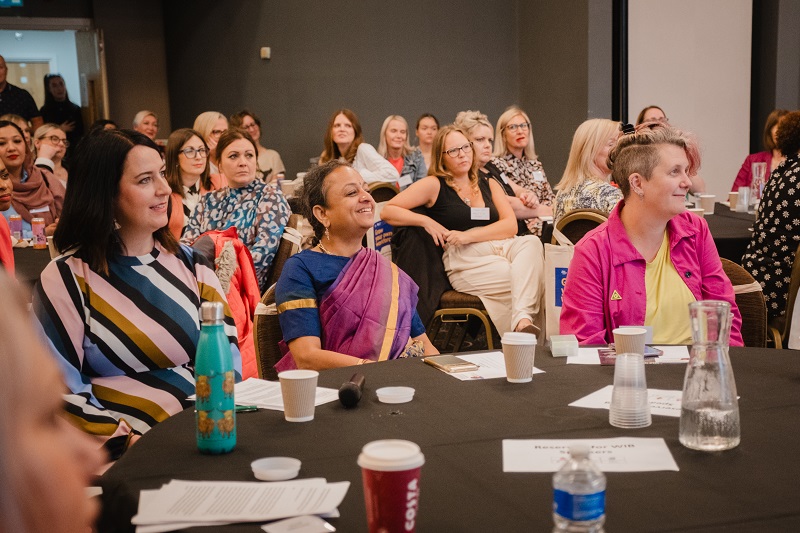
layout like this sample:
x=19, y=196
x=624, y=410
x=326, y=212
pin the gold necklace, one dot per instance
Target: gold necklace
x=325, y=251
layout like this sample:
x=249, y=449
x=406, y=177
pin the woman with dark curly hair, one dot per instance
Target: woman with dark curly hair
x=340, y=304
x=770, y=254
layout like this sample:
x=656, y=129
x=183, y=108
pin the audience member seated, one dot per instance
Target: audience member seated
x=211, y=125
x=471, y=218
x=37, y=192
x=770, y=254
x=427, y=126
x=23, y=124
x=335, y=301
x=771, y=155
x=652, y=257
x=479, y=130
x=146, y=122
x=53, y=135
x=46, y=463
x=585, y=183
x=186, y=161
x=121, y=306
x=58, y=109
x=344, y=141
x=394, y=146
x=516, y=158
x=6, y=190
x=258, y=210
x=270, y=163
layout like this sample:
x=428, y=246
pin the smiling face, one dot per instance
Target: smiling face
x=396, y=135
x=238, y=163
x=148, y=126
x=250, y=126
x=665, y=191
x=482, y=138
x=12, y=148
x=427, y=131
x=141, y=204
x=350, y=209
x=459, y=163
x=6, y=188
x=342, y=132
x=192, y=168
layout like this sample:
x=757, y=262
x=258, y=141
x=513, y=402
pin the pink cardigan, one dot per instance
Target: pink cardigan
x=745, y=176
x=606, y=262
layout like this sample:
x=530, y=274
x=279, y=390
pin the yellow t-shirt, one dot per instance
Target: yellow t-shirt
x=668, y=300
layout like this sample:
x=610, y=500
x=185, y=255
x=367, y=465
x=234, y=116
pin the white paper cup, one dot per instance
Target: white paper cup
x=518, y=352
x=629, y=405
x=299, y=389
x=629, y=340
x=699, y=211
x=707, y=203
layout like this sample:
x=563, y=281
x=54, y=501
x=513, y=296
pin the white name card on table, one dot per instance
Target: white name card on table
x=267, y=394
x=178, y=503
x=662, y=402
x=623, y=454
x=672, y=354
x=491, y=365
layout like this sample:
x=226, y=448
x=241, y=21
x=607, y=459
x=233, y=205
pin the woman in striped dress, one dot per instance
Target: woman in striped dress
x=120, y=308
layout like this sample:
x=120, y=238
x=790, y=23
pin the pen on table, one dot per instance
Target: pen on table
x=246, y=408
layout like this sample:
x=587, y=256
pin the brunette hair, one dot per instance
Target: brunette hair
x=331, y=149
x=237, y=118
x=315, y=192
x=230, y=136
x=172, y=160
x=382, y=147
x=49, y=99
x=438, y=155
x=87, y=219
x=788, y=134
x=640, y=118
x=427, y=115
x=589, y=139
x=773, y=118
x=500, y=146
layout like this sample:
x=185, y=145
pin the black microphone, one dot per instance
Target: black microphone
x=350, y=391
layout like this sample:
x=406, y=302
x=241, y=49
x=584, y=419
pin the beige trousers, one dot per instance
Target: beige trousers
x=507, y=275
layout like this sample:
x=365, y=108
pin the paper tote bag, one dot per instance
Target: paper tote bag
x=556, y=264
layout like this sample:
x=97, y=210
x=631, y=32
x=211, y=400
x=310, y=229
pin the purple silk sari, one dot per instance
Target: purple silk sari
x=366, y=312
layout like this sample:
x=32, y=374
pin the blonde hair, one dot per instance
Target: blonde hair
x=438, y=155
x=500, y=147
x=589, y=139
x=469, y=120
x=382, y=148
x=204, y=123
x=140, y=116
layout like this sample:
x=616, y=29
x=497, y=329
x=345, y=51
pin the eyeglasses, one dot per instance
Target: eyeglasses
x=56, y=140
x=453, y=152
x=514, y=127
x=192, y=153
x=251, y=126
x=216, y=133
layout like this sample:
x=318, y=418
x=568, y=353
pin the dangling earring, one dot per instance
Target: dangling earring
x=116, y=225
x=327, y=234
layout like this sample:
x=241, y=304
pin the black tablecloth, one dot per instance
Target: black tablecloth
x=460, y=427
x=732, y=232
x=29, y=263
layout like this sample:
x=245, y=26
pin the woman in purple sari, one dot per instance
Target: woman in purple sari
x=340, y=304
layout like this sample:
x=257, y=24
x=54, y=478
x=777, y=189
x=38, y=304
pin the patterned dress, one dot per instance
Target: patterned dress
x=588, y=194
x=528, y=174
x=126, y=340
x=258, y=210
x=776, y=235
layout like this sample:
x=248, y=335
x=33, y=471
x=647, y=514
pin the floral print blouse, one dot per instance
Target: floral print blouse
x=258, y=210
x=528, y=174
x=776, y=235
x=588, y=194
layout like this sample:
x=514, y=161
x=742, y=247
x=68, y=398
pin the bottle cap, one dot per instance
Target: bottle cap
x=211, y=312
x=579, y=450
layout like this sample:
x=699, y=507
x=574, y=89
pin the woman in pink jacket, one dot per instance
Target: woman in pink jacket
x=652, y=258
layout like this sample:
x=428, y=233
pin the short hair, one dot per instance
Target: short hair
x=427, y=115
x=140, y=116
x=314, y=192
x=331, y=149
x=87, y=219
x=469, y=120
x=788, y=135
x=382, y=147
x=500, y=147
x=773, y=118
x=231, y=135
x=438, y=155
x=172, y=160
x=237, y=119
x=640, y=118
x=204, y=122
x=638, y=153
x=589, y=139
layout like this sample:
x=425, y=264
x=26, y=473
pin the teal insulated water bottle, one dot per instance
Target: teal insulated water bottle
x=215, y=411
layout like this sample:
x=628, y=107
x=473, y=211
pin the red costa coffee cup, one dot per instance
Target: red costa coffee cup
x=390, y=470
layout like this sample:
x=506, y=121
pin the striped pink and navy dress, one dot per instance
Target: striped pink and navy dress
x=126, y=341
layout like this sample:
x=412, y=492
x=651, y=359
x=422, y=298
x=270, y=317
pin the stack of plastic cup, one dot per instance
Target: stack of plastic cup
x=629, y=405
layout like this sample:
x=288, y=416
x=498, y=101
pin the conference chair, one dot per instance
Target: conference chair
x=751, y=304
x=290, y=244
x=382, y=191
x=267, y=333
x=456, y=308
x=780, y=327
x=575, y=224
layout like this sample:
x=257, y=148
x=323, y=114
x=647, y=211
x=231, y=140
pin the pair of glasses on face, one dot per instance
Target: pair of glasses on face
x=453, y=152
x=192, y=153
x=58, y=140
x=524, y=126
x=216, y=133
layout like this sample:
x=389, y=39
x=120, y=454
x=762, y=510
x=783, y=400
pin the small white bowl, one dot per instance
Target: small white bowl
x=276, y=468
x=395, y=394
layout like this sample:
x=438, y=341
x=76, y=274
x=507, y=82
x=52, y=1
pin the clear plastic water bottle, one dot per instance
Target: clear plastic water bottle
x=579, y=494
x=215, y=410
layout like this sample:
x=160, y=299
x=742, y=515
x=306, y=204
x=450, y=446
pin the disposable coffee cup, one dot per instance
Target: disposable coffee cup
x=299, y=389
x=707, y=203
x=629, y=404
x=733, y=198
x=699, y=211
x=629, y=340
x=518, y=352
x=390, y=470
